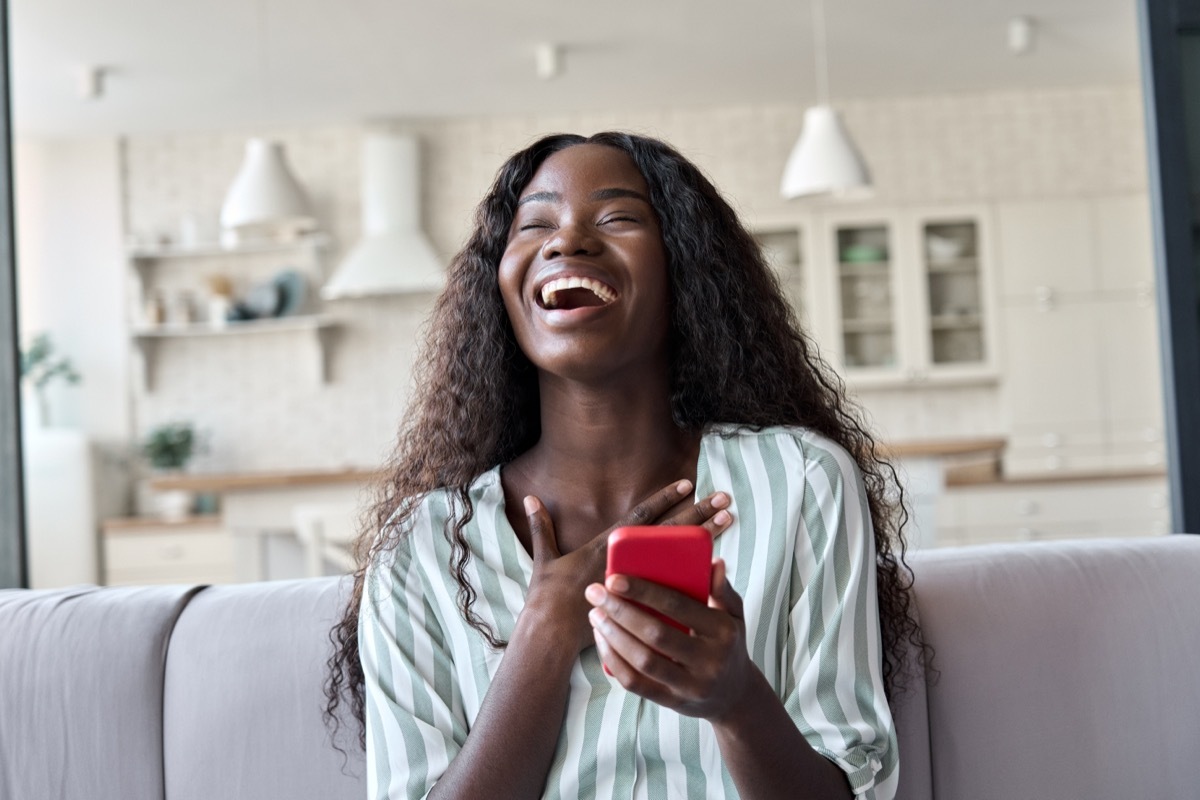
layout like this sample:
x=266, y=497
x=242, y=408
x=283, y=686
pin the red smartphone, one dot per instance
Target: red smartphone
x=676, y=556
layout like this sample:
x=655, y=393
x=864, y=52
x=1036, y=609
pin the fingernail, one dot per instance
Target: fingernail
x=722, y=518
x=617, y=583
x=720, y=500
x=596, y=616
x=531, y=505
x=594, y=593
x=683, y=487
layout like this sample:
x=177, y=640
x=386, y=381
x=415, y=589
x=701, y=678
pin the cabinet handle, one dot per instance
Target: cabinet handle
x=1044, y=297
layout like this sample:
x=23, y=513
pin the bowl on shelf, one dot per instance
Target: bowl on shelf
x=942, y=249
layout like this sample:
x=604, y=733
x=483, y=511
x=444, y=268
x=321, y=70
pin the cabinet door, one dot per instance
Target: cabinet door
x=783, y=249
x=1045, y=247
x=1124, y=243
x=952, y=270
x=866, y=328
x=1132, y=377
x=1053, y=379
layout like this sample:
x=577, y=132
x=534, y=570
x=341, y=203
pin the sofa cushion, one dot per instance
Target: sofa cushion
x=911, y=714
x=81, y=675
x=243, y=696
x=1067, y=669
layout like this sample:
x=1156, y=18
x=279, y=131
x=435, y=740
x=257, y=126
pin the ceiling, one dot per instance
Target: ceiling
x=237, y=64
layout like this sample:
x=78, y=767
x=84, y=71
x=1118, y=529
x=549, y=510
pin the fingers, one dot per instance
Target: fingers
x=641, y=617
x=721, y=593
x=541, y=530
x=711, y=513
x=643, y=651
x=648, y=511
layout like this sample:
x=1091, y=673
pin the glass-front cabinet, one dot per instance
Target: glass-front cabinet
x=783, y=248
x=906, y=295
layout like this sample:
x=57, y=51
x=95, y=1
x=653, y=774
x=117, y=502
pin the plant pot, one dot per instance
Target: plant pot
x=174, y=505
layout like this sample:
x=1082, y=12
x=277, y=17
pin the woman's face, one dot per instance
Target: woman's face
x=584, y=275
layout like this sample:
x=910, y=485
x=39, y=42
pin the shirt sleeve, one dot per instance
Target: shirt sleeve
x=415, y=724
x=834, y=689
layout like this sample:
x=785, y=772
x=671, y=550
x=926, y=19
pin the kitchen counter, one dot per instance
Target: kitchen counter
x=222, y=483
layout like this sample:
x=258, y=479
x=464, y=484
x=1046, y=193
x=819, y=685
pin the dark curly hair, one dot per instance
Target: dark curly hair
x=738, y=355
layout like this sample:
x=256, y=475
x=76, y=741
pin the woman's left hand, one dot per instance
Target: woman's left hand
x=704, y=673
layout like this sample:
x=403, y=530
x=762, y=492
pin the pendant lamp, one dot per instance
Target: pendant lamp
x=824, y=159
x=265, y=200
x=265, y=197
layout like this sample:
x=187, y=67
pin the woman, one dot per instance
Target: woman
x=611, y=349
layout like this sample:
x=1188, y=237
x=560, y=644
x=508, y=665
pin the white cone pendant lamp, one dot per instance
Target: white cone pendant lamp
x=825, y=159
x=265, y=197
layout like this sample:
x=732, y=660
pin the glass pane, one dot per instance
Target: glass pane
x=951, y=252
x=865, y=275
x=782, y=248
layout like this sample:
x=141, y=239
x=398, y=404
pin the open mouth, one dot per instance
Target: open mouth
x=568, y=293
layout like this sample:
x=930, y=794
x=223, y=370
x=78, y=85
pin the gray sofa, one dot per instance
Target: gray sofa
x=1065, y=670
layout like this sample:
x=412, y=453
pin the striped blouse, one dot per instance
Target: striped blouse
x=801, y=555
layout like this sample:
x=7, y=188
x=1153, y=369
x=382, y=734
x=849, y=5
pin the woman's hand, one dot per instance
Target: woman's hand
x=705, y=673
x=558, y=582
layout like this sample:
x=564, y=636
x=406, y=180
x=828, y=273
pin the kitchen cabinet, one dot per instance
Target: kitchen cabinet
x=179, y=272
x=141, y=551
x=1030, y=510
x=783, y=244
x=1082, y=380
x=910, y=295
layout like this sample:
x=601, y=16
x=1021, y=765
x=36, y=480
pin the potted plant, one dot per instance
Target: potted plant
x=169, y=448
x=40, y=367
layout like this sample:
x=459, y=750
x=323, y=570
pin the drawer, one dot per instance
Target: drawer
x=1032, y=506
x=165, y=551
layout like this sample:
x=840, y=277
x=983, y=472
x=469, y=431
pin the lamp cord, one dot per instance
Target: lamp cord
x=819, y=52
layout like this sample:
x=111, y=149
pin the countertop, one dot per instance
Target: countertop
x=223, y=482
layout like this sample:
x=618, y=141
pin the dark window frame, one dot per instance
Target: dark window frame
x=1162, y=23
x=14, y=570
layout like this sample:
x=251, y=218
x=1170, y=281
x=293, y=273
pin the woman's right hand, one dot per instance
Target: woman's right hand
x=556, y=589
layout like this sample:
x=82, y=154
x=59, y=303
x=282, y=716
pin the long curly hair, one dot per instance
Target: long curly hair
x=738, y=355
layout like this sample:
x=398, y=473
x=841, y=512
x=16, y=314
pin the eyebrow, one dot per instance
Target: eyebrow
x=601, y=194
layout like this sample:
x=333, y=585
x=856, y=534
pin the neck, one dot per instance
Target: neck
x=609, y=445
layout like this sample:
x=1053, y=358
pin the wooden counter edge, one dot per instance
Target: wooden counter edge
x=944, y=447
x=249, y=481
x=157, y=524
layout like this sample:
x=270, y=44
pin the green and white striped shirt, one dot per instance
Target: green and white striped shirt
x=800, y=553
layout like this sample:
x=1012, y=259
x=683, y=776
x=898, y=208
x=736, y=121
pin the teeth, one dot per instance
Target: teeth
x=551, y=289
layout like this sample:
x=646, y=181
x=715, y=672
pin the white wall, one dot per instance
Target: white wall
x=70, y=274
x=262, y=413
x=71, y=284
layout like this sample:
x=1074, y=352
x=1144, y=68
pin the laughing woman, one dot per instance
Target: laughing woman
x=612, y=349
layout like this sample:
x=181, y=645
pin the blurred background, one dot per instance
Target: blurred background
x=210, y=385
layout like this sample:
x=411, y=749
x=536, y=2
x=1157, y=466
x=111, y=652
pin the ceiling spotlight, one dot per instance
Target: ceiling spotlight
x=549, y=58
x=89, y=82
x=1021, y=32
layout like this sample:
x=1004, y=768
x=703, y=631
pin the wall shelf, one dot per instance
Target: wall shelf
x=322, y=328
x=215, y=250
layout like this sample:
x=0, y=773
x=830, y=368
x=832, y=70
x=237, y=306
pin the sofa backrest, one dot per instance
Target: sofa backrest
x=243, y=696
x=81, y=691
x=1067, y=669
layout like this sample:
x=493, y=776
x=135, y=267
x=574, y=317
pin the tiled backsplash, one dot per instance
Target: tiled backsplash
x=262, y=411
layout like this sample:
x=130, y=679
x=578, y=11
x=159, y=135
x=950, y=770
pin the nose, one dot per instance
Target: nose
x=570, y=239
